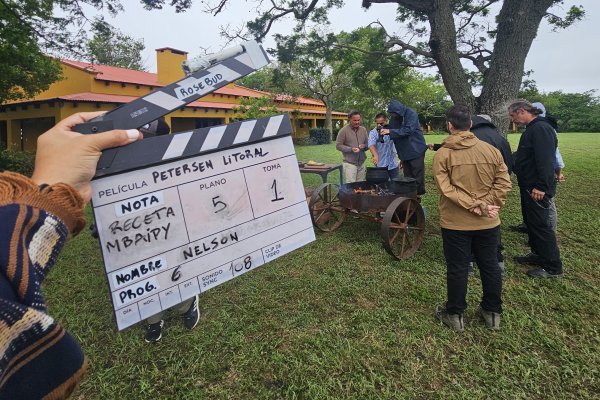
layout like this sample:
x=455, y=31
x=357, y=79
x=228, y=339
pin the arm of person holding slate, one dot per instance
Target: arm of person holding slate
x=38, y=357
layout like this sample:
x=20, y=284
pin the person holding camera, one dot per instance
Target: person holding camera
x=405, y=131
x=382, y=147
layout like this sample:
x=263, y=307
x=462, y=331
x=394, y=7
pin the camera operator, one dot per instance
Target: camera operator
x=405, y=131
x=382, y=147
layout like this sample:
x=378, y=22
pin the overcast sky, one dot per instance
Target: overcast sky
x=566, y=60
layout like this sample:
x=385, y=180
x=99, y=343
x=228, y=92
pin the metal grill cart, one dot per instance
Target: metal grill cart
x=394, y=204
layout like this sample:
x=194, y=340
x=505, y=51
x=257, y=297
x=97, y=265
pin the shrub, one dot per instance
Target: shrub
x=17, y=161
x=305, y=141
x=320, y=135
x=335, y=133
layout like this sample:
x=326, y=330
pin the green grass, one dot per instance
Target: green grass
x=339, y=319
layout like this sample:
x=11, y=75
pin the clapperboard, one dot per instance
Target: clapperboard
x=180, y=214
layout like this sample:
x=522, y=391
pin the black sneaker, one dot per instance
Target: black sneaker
x=543, y=273
x=530, y=259
x=192, y=315
x=154, y=332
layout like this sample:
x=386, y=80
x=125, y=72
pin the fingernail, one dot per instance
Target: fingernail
x=133, y=133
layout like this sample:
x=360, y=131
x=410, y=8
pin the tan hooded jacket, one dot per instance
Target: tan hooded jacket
x=469, y=173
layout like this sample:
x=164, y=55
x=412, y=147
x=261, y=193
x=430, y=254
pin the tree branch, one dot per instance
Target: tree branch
x=385, y=54
x=217, y=9
x=423, y=6
x=475, y=12
x=393, y=42
x=299, y=15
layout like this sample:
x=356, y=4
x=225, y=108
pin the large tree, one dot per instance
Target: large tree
x=24, y=68
x=446, y=34
x=34, y=32
x=110, y=46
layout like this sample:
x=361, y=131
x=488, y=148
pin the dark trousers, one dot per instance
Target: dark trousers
x=394, y=173
x=542, y=238
x=415, y=168
x=457, y=250
x=499, y=251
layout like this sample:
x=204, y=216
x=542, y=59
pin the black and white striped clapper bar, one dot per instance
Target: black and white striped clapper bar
x=163, y=149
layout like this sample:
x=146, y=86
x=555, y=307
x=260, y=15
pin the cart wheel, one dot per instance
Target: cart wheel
x=403, y=227
x=325, y=209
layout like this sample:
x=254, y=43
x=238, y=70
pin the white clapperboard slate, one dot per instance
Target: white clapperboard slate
x=183, y=213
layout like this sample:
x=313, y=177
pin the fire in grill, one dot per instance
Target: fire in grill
x=374, y=191
x=367, y=196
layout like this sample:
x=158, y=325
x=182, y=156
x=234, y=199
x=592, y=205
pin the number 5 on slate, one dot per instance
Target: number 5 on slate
x=218, y=204
x=274, y=187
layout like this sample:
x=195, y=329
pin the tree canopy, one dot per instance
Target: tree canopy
x=32, y=32
x=446, y=34
x=109, y=46
x=574, y=112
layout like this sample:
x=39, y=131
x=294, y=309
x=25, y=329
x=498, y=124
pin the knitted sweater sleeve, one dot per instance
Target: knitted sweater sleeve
x=35, y=225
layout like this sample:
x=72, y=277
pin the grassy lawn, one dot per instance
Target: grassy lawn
x=340, y=319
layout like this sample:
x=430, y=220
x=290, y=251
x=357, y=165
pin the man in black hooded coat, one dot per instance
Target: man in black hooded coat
x=485, y=130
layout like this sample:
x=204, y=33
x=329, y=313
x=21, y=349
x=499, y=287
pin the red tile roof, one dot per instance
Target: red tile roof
x=116, y=74
x=120, y=99
x=124, y=75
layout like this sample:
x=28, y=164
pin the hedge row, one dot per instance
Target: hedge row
x=17, y=161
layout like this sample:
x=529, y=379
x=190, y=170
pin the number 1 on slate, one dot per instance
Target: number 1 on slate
x=274, y=187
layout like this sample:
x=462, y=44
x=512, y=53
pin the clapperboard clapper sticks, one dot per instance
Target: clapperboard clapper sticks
x=182, y=213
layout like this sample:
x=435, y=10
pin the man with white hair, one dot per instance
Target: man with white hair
x=535, y=173
x=558, y=167
x=559, y=164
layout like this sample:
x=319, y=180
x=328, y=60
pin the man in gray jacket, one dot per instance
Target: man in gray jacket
x=352, y=141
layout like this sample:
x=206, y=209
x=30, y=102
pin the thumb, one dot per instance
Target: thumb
x=114, y=138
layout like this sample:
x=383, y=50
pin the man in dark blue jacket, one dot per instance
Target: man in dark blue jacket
x=534, y=167
x=405, y=131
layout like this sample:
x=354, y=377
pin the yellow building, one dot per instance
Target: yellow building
x=93, y=87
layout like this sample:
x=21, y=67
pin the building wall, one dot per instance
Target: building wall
x=74, y=81
x=168, y=64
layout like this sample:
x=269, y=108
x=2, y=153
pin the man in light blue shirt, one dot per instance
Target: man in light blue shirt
x=382, y=148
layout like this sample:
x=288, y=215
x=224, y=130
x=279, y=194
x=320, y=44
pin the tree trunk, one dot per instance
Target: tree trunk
x=328, y=114
x=442, y=42
x=518, y=23
x=328, y=119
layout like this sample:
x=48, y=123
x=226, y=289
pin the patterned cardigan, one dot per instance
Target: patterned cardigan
x=38, y=358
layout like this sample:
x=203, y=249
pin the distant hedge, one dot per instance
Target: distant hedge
x=17, y=161
x=320, y=135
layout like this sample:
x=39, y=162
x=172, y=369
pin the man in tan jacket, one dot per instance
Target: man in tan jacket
x=473, y=182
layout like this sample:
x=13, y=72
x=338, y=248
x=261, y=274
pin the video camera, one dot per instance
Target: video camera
x=379, y=128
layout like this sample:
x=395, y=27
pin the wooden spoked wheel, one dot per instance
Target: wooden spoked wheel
x=403, y=227
x=325, y=210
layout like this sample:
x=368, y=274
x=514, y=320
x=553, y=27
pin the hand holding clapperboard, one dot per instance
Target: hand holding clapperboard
x=180, y=214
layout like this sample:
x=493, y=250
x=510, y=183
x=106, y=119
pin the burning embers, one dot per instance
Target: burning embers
x=376, y=190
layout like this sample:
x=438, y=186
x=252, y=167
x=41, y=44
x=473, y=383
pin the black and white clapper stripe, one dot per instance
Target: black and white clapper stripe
x=162, y=149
